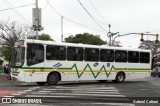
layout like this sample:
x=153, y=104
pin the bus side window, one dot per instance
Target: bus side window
x=106, y=55
x=91, y=54
x=54, y=52
x=120, y=56
x=133, y=57
x=35, y=54
x=74, y=53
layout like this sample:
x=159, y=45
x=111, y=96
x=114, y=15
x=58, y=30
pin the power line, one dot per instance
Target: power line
x=16, y=12
x=47, y=2
x=153, y=31
x=17, y=7
x=84, y=25
x=72, y=20
x=54, y=9
x=98, y=12
x=91, y=16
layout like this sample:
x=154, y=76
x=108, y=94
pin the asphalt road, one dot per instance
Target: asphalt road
x=87, y=93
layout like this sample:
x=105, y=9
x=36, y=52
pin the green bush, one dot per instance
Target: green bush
x=1, y=69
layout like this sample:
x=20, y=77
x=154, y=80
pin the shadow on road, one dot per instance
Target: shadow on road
x=82, y=83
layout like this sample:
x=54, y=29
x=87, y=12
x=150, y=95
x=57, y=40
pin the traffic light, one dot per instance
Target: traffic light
x=156, y=38
x=141, y=37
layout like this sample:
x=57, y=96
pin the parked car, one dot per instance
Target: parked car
x=156, y=72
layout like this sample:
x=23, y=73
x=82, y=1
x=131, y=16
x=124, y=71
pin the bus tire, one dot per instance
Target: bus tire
x=102, y=81
x=120, y=77
x=52, y=79
x=41, y=83
x=114, y=81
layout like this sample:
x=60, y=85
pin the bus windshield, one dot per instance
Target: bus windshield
x=18, y=57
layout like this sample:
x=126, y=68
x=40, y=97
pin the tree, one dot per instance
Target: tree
x=41, y=37
x=150, y=45
x=10, y=32
x=85, y=38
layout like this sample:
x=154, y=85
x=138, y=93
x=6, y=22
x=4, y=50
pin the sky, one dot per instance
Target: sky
x=125, y=16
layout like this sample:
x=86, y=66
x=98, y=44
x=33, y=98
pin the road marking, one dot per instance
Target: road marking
x=143, y=89
x=115, y=90
x=25, y=84
x=15, y=94
x=104, y=90
x=21, y=92
x=86, y=87
x=27, y=90
x=77, y=92
x=44, y=91
x=97, y=92
x=8, y=96
x=34, y=88
x=48, y=96
x=87, y=94
x=39, y=93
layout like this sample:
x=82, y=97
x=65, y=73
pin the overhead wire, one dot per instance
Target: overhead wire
x=153, y=31
x=91, y=16
x=98, y=13
x=72, y=20
x=16, y=12
x=83, y=25
x=47, y=2
x=17, y=7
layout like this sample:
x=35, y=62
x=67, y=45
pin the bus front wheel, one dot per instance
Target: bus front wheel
x=120, y=77
x=52, y=79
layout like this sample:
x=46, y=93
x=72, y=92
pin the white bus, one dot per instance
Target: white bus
x=50, y=62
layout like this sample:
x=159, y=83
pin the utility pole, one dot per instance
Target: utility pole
x=109, y=35
x=37, y=19
x=61, y=28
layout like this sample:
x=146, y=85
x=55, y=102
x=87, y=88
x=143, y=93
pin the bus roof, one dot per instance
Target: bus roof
x=83, y=45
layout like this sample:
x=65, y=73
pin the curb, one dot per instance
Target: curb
x=2, y=75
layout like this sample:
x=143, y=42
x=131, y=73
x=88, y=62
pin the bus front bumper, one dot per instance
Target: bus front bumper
x=18, y=76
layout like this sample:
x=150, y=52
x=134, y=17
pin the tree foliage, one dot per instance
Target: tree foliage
x=85, y=38
x=9, y=33
x=150, y=45
x=41, y=37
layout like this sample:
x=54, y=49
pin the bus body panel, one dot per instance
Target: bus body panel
x=79, y=70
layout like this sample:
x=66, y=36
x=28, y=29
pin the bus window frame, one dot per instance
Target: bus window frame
x=30, y=59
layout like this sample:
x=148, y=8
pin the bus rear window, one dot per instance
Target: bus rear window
x=144, y=57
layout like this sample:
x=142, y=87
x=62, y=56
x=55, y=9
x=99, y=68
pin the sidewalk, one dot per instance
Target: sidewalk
x=4, y=79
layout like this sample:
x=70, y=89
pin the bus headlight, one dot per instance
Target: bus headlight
x=14, y=69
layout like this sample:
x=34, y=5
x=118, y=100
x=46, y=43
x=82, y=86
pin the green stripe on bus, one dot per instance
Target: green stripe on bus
x=95, y=74
x=139, y=69
x=36, y=68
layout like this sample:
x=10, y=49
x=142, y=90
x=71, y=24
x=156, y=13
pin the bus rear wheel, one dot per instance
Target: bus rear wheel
x=52, y=79
x=41, y=83
x=120, y=77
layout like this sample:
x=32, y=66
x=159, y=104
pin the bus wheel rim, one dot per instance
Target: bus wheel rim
x=52, y=78
x=120, y=78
